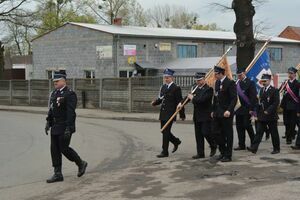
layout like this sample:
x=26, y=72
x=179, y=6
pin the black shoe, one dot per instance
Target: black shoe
x=239, y=148
x=226, y=159
x=289, y=142
x=176, y=146
x=213, y=151
x=55, y=178
x=295, y=147
x=162, y=155
x=252, y=150
x=220, y=157
x=198, y=156
x=275, y=152
x=82, y=168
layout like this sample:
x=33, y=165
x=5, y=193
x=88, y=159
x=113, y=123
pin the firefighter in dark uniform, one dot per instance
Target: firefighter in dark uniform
x=297, y=143
x=224, y=102
x=61, y=120
x=169, y=98
x=267, y=115
x=247, y=95
x=202, y=100
x=290, y=104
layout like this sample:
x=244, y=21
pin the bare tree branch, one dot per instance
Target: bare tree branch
x=13, y=8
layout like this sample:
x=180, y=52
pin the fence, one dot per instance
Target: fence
x=117, y=94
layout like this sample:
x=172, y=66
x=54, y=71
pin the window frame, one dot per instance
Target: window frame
x=274, y=58
x=187, y=45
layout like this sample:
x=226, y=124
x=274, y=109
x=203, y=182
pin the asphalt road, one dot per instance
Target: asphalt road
x=122, y=164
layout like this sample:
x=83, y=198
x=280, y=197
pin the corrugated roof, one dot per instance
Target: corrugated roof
x=172, y=33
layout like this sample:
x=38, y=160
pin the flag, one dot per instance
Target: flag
x=210, y=79
x=262, y=66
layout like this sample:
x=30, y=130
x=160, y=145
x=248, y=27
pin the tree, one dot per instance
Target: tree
x=130, y=11
x=54, y=13
x=167, y=16
x=209, y=27
x=244, y=29
x=1, y=60
x=18, y=39
x=12, y=9
x=13, y=13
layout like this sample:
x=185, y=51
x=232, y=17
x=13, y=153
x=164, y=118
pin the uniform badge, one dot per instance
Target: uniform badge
x=59, y=100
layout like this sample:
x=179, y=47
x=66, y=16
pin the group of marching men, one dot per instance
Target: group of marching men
x=214, y=109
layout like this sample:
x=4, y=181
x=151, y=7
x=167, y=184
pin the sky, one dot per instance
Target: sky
x=276, y=14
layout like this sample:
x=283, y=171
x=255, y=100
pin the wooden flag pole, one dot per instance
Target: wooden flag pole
x=260, y=52
x=186, y=101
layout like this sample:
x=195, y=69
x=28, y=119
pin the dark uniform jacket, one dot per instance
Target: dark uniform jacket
x=225, y=97
x=203, y=103
x=249, y=89
x=268, y=101
x=287, y=102
x=61, y=113
x=169, y=99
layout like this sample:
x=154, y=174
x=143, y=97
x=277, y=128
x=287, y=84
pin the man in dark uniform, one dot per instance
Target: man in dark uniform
x=297, y=143
x=169, y=98
x=247, y=95
x=290, y=104
x=61, y=119
x=224, y=102
x=202, y=100
x=267, y=115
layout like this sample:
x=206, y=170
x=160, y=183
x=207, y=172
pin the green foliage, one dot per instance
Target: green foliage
x=55, y=14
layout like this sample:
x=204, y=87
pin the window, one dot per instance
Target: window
x=50, y=74
x=275, y=54
x=90, y=74
x=125, y=74
x=186, y=51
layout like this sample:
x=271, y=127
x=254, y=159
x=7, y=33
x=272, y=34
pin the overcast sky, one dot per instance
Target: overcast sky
x=276, y=13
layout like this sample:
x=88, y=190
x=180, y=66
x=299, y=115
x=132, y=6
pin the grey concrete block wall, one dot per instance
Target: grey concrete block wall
x=73, y=48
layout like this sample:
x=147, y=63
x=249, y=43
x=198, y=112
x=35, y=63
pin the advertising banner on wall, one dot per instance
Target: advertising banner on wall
x=129, y=50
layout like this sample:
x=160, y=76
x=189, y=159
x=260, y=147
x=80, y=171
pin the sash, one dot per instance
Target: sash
x=291, y=93
x=242, y=94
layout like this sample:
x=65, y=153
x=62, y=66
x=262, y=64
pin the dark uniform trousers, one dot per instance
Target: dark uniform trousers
x=223, y=133
x=290, y=121
x=203, y=131
x=243, y=124
x=248, y=99
x=269, y=101
x=263, y=126
x=168, y=137
x=297, y=143
x=60, y=145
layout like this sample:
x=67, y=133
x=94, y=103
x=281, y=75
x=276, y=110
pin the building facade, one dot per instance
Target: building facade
x=100, y=51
